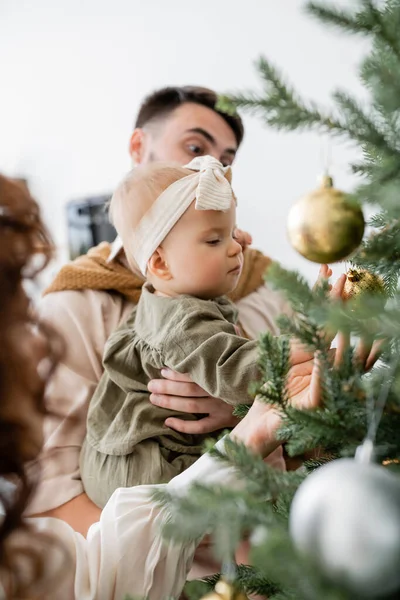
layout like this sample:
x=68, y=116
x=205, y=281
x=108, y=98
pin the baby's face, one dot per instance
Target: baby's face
x=203, y=257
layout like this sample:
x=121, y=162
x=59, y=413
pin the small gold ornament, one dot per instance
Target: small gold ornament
x=225, y=591
x=325, y=226
x=360, y=281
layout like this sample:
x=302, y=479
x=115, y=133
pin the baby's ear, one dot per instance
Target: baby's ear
x=158, y=266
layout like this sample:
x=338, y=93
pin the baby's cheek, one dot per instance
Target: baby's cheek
x=213, y=265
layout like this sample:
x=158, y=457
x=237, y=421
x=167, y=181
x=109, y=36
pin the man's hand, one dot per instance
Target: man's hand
x=178, y=392
x=243, y=238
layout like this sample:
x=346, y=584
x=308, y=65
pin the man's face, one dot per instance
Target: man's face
x=190, y=130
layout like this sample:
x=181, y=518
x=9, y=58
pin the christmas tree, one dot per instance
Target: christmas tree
x=316, y=558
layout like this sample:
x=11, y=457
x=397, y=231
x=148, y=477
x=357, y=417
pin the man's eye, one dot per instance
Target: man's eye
x=196, y=149
x=226, y=162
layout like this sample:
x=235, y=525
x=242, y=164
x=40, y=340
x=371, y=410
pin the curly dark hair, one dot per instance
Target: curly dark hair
x=25, y=249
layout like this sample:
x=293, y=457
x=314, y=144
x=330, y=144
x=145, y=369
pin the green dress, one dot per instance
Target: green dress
x=127, y=442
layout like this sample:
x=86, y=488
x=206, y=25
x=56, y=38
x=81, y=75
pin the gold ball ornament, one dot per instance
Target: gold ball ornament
x=326, y=225
x=361, y=281
x=225, y=591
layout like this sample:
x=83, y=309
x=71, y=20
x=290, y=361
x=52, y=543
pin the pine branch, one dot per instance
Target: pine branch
x=306, y=332
x=324, y=428
x=339, y=424
x=226, y=513
x=280, y=106
x=295, y=574
x=366, y=318
x=382, y=189
x=241, y=410
x=260, y=478
x=274, y=83
x=360, y=126
x=197, y=589
x=380, y=74
x=379, y=168
x=274, y=366
x=344, y=20
x=314, y=463
x=250, y=579
x=378, y=220
x=369, y=20
x=292, y=284
x=380, y=253
x=310, y=306
x=287, y=595
x=387, y=438
x=254, y=582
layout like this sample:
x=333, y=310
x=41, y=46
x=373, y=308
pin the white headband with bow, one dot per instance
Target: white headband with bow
x=209, y=188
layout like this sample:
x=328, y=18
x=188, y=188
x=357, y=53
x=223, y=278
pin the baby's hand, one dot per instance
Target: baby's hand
x=324, y=273
x=335, y=291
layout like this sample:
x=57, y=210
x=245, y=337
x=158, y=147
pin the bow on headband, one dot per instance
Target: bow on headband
x=213, y=191
x=208, y=186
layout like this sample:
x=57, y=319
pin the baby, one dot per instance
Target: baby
x=177, y=225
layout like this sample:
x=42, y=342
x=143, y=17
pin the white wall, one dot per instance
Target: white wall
x=73, y=73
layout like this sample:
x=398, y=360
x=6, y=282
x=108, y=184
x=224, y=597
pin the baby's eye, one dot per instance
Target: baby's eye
x=213, y=242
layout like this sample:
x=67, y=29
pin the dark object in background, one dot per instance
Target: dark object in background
x=88, y=224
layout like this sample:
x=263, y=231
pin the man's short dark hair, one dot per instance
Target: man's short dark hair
x=162, y=102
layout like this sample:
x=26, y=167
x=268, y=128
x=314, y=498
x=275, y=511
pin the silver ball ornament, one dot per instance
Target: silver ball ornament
x=346, y=516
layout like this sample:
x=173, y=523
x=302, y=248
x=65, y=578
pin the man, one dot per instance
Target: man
x=89, y=299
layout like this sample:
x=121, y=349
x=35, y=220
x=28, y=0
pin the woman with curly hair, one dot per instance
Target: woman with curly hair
x=123, y=553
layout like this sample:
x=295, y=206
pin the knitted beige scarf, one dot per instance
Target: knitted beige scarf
x=92, y=271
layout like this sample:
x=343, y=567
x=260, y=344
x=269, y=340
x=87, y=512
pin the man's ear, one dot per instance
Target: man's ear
x=137, y=145
x=158, y=266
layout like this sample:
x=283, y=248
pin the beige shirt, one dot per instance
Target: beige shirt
x=124, y=552
x=85, y=319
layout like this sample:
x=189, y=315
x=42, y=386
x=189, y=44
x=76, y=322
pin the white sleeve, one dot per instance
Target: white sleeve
x=124, y=552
